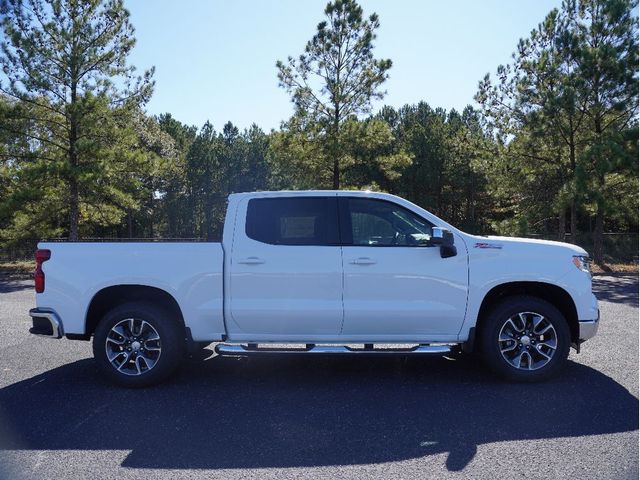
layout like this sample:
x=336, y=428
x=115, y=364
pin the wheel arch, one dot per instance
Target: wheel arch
x=553, y=294
x=112, y=296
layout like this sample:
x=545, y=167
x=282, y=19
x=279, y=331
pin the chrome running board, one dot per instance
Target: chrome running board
x=234, y=350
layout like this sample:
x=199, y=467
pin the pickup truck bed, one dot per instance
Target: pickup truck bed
x=94, y=275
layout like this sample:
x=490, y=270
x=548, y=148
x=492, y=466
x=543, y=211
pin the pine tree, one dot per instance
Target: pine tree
x=65, y=62
x=568, y=105
x=605, y=34
x=337, y=75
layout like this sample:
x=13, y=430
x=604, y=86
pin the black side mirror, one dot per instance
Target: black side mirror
x=444, y=238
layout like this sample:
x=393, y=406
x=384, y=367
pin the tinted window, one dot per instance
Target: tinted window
x=380, y=223
x=293, y=221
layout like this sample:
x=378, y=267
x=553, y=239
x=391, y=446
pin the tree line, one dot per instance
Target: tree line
x=551, y=148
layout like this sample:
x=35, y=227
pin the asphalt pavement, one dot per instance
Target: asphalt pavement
x=344, y=417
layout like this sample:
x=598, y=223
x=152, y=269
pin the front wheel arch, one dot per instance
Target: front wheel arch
x=555, y=295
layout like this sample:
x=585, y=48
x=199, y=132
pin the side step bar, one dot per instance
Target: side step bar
x=232, y=350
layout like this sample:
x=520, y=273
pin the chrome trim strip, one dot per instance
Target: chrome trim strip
x=56, y=323
x=242, y=350
x=588, y=328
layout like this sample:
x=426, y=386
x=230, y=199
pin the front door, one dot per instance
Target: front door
x=286, y=269
x=395, y=285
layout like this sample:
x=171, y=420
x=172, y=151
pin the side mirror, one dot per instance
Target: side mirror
x=444, y=238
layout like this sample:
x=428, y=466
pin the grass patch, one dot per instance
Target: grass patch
x=22, y=268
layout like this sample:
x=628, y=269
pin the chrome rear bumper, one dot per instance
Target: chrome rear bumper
x=46, y=323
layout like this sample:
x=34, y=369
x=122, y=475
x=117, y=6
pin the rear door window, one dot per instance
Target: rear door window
x=293, y=220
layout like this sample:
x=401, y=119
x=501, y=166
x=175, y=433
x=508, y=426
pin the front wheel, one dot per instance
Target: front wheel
x=137, y=345
x=525, y=339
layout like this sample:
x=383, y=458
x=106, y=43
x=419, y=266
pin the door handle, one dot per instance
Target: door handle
x=363, y=261
x=251, y=261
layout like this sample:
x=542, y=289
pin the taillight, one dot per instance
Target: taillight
x=41, y=257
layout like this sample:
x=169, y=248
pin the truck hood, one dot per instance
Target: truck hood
x=496, y=242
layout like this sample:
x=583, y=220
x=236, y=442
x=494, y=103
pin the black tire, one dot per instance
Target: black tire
x=525, y=356
x=171, y=344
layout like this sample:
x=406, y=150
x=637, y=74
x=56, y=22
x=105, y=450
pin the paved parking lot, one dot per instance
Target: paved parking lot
x=320, y=418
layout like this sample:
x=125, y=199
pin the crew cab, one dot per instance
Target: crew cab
x=319, y=272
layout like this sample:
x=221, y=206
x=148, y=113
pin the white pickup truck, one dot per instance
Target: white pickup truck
x=321, y=272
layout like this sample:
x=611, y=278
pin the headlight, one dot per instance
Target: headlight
x=582, y=262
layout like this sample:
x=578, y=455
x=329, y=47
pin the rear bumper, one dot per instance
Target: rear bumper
x=46, y=323
x=588, y=328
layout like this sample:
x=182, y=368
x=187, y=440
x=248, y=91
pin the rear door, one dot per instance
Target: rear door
x=394, y=284
x=286, y=268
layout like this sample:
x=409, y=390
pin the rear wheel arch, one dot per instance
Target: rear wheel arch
x=555, y=295
x=111, y=297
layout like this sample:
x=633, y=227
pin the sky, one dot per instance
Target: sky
x=215, y=60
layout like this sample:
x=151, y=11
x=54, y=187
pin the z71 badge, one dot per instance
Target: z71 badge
x=488, y=245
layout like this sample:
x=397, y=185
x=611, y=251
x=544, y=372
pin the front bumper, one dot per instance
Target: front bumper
x=46, y=323
x=588, y=328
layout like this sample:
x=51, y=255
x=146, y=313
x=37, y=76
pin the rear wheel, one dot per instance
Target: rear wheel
x=138, y=344
x=525, y=338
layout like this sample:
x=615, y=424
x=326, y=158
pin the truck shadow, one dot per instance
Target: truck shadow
x=284, y=412
x=8, y=284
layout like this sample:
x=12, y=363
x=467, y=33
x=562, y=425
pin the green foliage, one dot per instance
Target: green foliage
x=174, y=199
x=567, y=106
x=555, y=144
x=337, y=76
x=448, y=153
x=369, y=155
x=66, y=72
x=190, y=198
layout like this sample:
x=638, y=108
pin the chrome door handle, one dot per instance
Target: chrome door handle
x=251, y=261
x=363, y=261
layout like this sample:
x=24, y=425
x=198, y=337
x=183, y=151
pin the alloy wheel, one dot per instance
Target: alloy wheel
x=133, y=346
x=527, y=341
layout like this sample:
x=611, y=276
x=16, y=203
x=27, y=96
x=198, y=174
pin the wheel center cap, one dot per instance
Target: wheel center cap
x=136, y=346
x=525, y=340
